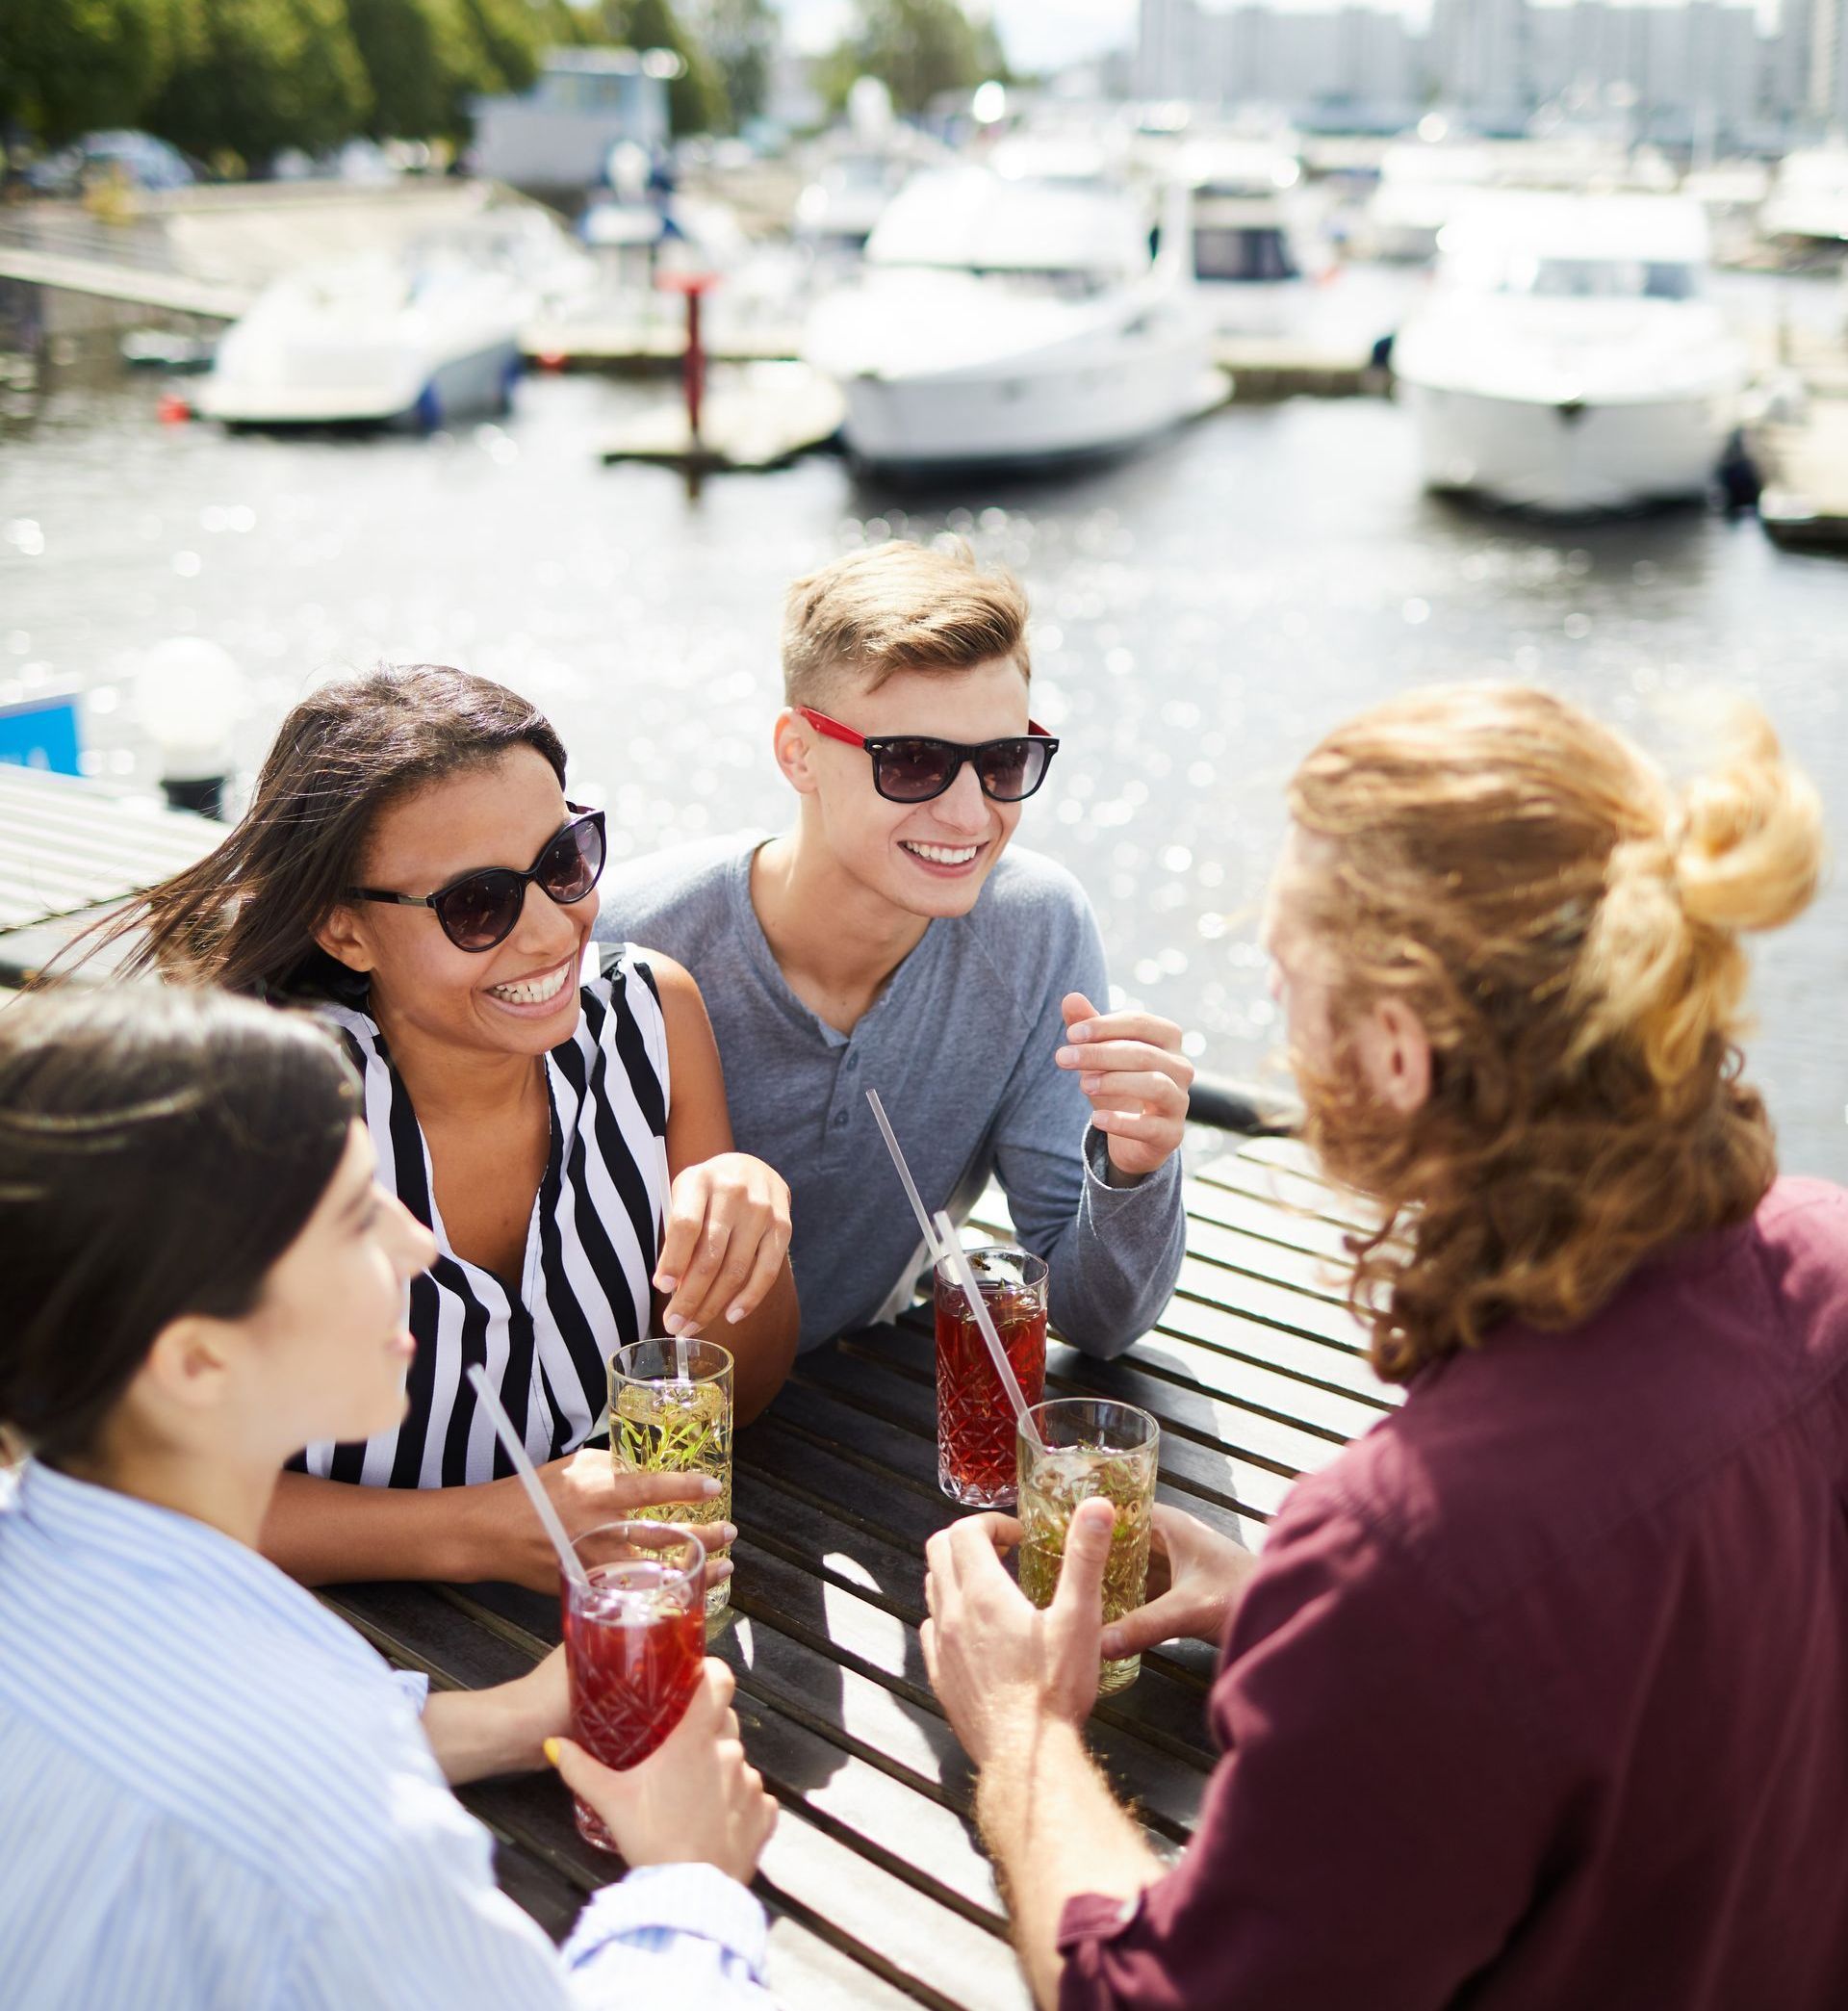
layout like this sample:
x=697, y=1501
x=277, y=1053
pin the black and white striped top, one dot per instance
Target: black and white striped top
x=591, y=1246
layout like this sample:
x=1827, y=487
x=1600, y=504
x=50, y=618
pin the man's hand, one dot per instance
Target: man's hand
x=1131, y=1067
x=1195, y=1578
x=727, y=1236
x=998, y=1666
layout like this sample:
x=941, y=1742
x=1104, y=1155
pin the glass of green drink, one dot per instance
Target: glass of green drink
x=1091, y=1447
x=669, y=1411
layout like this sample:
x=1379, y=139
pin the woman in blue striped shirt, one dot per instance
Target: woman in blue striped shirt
x=212, y=1792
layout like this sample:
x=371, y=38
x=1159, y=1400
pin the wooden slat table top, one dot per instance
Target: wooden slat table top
x=69, y=845
x=879, y=1892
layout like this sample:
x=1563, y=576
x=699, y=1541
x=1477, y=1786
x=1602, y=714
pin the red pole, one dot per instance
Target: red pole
x=693, y=365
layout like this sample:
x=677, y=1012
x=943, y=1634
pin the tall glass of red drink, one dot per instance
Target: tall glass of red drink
x=975, y=1420
x=634, y=1644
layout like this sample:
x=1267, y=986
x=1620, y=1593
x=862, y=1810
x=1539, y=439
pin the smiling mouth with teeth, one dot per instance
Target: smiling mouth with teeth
x=534, y=990
x=942, y=855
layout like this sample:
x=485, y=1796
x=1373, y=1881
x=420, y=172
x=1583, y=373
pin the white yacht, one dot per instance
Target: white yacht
x=1568, y=359
x=1807, y=206
x=418, y=336
x=1007, y=319
x=1422, y=185
x=1256, y=251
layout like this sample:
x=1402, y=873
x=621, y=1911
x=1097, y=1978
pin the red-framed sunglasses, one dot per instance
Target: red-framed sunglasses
x=478, y=910
x=913, y=767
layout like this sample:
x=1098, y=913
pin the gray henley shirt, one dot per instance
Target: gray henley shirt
x=959, y=1047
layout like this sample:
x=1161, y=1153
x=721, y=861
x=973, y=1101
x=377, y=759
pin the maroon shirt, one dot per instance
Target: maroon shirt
x=1538, y=1700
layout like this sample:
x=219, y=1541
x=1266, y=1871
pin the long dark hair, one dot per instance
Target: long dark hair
x=246, y=916
x=160, y=1148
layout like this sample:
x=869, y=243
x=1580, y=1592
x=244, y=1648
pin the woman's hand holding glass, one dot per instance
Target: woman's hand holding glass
x=728, y=1233
x=1196, y=1579
x=696, y=1799
x=587, y=1491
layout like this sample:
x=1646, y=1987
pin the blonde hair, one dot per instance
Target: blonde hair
x=1566, y=927
x=897, y=606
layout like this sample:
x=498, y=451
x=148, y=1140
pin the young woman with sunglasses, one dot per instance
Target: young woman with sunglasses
x=213, y=1792
x=895, y=938
x=410, y=863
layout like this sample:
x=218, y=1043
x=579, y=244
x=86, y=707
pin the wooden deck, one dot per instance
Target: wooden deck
x=879, y=1892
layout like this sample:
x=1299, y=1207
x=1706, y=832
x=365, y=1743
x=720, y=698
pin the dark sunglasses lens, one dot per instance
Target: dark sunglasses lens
x=570, y=865
x=1011, y=768
x=480, y=911
x=912, y=771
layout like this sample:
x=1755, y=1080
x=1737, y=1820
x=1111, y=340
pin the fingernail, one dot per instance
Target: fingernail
x=674, y=1324
x=1088, y=1083
x=734, y=1313
x=709, y=1485
x=664, y=1283
x=1067, y=1055
x=1082, y=1031
x=1110, y=1644
x=551, y=1750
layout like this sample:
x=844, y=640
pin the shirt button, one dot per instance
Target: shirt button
x=840, y=1118
x=853, y=1061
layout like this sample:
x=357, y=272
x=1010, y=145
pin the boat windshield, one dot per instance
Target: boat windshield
x=1251, y=253
x=1598, y=278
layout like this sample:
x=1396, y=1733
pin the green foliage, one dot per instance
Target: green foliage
x=427, y=59
x=916, y=48
x=696, y=98
x=69, y=67
x=254, y=76
x=740, y=37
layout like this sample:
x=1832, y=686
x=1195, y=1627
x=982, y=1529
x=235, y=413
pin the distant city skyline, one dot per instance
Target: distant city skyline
x=1048, y=34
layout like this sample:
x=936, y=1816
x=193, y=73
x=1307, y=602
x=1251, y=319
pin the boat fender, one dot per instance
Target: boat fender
x=1740, y=479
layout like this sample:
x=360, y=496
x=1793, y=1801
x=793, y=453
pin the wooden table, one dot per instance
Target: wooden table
x=879, y=1892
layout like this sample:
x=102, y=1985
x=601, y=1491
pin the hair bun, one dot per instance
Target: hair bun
x=1748, y=845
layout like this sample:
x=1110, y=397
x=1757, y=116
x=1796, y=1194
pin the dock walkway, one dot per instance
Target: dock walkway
x=880, y=1894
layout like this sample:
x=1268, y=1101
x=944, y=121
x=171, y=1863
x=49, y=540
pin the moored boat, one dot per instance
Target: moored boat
x=1013, y=320
x=1569, y=359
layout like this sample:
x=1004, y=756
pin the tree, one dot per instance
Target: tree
x=255, y=76
x=68, y=67
x=741, y=37
x=425, y=60
x=696, y=98
x=916, y=48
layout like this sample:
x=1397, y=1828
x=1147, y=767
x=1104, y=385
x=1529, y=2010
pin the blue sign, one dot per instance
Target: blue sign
x=40, y=734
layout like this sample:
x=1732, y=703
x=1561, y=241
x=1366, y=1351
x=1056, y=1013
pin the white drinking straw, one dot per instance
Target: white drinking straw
x=522, y=1466
x=959, y=1262
x=905, y=1173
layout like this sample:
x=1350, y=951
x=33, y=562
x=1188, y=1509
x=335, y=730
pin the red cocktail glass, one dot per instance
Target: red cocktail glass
x=975, y=1422
x=634, y=1644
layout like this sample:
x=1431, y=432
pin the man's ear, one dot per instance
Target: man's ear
x=793, y=745
x=1394, y=1054
x=345, y=939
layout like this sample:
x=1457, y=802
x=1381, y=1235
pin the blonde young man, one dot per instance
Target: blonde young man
x=892, y=940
